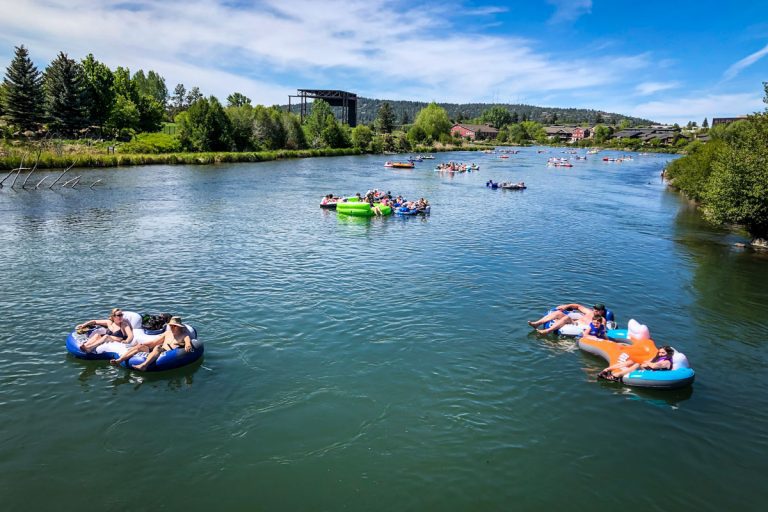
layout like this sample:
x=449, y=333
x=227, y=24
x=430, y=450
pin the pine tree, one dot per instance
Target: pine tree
x=193, y=96
x=178, y=99
x=64, y=94
x=23, y=96
x=705, y=123
x=385, y=120
x=404, y=119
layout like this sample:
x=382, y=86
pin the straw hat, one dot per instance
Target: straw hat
x=175, y=320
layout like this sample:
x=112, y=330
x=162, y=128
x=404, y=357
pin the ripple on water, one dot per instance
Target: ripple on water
x=350, y=357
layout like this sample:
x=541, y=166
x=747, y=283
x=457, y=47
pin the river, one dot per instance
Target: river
x=382, y=364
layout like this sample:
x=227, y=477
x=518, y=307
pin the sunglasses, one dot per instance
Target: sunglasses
x=118, y=314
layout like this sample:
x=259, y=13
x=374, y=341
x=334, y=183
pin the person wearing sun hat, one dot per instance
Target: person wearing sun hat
x=568, y=314
x=175, y=336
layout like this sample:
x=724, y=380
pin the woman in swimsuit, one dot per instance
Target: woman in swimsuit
x=115, y=329
x=662, y=361
x=176, y=336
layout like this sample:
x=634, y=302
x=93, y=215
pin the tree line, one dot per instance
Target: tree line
x=728, y=176
x=75, y=98
x=405, y=112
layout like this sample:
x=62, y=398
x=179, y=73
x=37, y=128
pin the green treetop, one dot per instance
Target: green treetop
x=23, y=96
x=65, y=94
x=385, y=119
x=99, y=93
x=434, y=120
x=497, y=117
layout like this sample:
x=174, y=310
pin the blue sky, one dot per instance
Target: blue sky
x=670, y=61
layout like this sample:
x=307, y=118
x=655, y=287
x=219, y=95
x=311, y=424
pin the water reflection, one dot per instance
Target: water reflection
x=106, y=374
x=729, y=281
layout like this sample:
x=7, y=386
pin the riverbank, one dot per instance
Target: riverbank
x=100, y=157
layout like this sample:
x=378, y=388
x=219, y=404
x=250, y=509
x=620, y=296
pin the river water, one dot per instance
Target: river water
x=378, y=364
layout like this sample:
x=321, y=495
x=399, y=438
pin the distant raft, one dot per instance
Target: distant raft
x=169, y=360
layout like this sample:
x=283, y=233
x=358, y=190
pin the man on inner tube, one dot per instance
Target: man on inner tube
x=560, y=316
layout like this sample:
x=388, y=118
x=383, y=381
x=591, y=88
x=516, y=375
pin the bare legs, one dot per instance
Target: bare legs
x=151, y=358
x=93, y=342
x=559, y=319
x=129, y=354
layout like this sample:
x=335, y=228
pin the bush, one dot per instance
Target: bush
x=152, y=143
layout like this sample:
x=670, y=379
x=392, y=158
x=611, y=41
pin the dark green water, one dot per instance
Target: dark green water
x=382, y=364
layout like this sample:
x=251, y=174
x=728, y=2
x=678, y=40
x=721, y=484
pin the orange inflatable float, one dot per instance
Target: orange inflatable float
x=640, y=348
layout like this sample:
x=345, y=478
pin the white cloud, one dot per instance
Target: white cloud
x=681, y=110
x=744, y=63
x=647, y=88
x=569, y=10
x=268, y=49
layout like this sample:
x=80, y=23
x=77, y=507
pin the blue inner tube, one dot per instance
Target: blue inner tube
x=660, y=379
x=170, y=360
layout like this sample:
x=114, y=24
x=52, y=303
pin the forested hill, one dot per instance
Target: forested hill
x=368, y=108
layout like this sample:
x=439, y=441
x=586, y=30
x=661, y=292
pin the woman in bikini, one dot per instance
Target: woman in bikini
x=115, y=329
x=176, y=336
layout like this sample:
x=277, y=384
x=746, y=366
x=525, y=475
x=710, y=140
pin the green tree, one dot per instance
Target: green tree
x=385, y=119
x=705, y=123
x=23, y=98
x=178, y=100
x=123, y=117
x=205, y=126
x=517, y=134
x=737, y=190
x=691, y=173
x=534, y=131
x=64, y=94
x=151, y=85
x=404, y=119
x=416, y=135
x=267, y=133
x=151, y=113
x=515, y=118
x=241, y=119
x=193, y=95
x=98, y=83
x=434, y=120
x=294, y=134
x=362, y=136
x=238, y=100
x=602, y=134
x=497, y=117
x=2, y=100
x=316, y=122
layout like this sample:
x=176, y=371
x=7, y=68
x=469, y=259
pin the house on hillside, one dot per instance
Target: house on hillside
x=566, y=133
x=666, y=135
x=474, y=131
x=726, y=120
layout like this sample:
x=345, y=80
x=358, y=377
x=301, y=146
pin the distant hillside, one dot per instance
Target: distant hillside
x=368, y=108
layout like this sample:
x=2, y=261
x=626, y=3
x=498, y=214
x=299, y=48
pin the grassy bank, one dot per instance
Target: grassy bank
x=50, y=160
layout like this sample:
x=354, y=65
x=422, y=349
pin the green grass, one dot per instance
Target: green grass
x=51, y=161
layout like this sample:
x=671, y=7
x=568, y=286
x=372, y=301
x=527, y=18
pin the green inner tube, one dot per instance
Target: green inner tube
x=361, y=209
